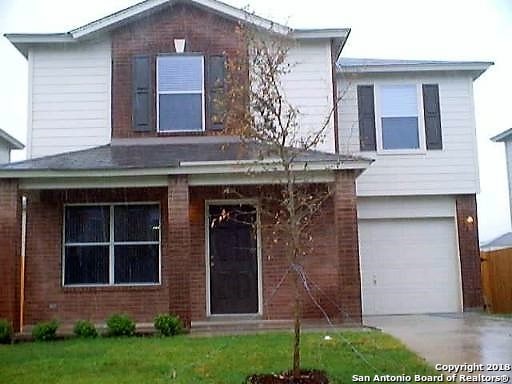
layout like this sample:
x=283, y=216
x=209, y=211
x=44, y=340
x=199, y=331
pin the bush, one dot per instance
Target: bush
x=45, y=331
x=168, y=325
x=5, y=332
x=120, y=325
x=85, y=329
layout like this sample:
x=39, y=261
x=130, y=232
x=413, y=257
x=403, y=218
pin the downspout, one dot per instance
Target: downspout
x=23, y=251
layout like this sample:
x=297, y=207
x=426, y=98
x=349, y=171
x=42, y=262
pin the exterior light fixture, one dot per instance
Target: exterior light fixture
x=179, y=45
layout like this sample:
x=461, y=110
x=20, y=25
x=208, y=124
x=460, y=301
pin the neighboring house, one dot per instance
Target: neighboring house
x=128, y=166
x=505, y=240
x=501, y=242
x=7, y=144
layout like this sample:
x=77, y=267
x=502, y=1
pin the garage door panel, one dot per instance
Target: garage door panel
x=409, y=266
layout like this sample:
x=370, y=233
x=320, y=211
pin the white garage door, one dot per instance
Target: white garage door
x=409, y=266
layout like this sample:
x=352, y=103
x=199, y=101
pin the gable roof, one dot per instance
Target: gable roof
x=23, y=41
x=365, y=65
x=170, y=156
x=11, y=142
x=503, y=136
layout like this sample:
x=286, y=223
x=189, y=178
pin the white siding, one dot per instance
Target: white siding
x=69, y=102
x=448, y=171
x=5, y=153
x=308, y=87
x=396, y=207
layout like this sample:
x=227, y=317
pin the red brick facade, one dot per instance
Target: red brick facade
x=467, y=227
x=10, y=234
x=333, y=268
x=204, y=32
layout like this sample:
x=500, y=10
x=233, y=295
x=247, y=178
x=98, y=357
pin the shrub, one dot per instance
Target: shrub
x=85, y=329
x=45, y=331
x=120, y=325
x=168, y=325
x=5, y=332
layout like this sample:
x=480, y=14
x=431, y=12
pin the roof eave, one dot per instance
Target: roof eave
x=24, y=41
x=190, y=168
x=12, y=143
x=503, y=136
x=475, y=68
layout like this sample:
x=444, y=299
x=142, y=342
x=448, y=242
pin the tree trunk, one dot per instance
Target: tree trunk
x=296, y=338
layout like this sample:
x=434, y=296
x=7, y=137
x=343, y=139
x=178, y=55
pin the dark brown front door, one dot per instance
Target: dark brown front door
x=233, y=259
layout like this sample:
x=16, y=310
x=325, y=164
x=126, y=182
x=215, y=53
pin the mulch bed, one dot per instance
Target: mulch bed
x=307, y=377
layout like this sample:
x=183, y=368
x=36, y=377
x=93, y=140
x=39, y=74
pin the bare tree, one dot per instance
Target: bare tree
x=258, y=111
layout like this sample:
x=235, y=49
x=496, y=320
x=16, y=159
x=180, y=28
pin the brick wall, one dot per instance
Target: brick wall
x=469, y=251
x=46, y=299
x=334, y=271
x=203, y=31
x=10, y=234
x=178, y=245
x=332, y=266
x=345, y=216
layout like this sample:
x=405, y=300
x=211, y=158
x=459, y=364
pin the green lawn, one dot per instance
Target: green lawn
x=185, y=359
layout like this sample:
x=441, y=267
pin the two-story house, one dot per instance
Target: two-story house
x=129, y=163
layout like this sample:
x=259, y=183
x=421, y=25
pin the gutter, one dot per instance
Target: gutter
x=192, y=168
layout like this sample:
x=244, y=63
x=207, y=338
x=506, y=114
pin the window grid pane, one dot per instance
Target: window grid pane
x=136, y=264
x=87, y=224
x=86, y=265
x=183, y=112
x=181, y=74
x=400, y=133
x=136, y=223
x=399, y=101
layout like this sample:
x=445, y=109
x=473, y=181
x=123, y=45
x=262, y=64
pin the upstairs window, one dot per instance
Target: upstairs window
x=399, y=117
x=180, y=93
x=112, y=244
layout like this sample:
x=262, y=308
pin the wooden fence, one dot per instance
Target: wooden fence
x=497, y=280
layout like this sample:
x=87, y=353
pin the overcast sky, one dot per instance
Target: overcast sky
x=400, y=29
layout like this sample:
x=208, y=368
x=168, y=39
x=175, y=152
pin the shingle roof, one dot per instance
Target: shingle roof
x=150, y=156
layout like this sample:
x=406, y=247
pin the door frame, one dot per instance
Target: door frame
x=256, y=205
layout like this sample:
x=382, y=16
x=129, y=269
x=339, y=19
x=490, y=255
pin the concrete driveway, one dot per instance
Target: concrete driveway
x=452, y=338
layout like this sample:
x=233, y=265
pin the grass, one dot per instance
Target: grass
x=184, y=359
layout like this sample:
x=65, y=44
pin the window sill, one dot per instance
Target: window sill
x=112, y=288
x=401, y=152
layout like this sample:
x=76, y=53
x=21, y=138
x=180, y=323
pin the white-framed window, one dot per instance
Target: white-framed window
x=180, y=93
x=399, y=124
x=111, y=244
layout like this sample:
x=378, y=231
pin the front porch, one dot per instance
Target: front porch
x=181, y=263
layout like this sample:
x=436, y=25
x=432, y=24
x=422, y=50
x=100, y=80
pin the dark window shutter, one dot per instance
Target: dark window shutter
x=141, y=81
x=216, y=91
x=432, y=116
x=366, y=113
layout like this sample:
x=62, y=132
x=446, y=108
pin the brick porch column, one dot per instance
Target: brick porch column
x=345, y=216
x=469, y=251
x=178, y=247
x=10, y=233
